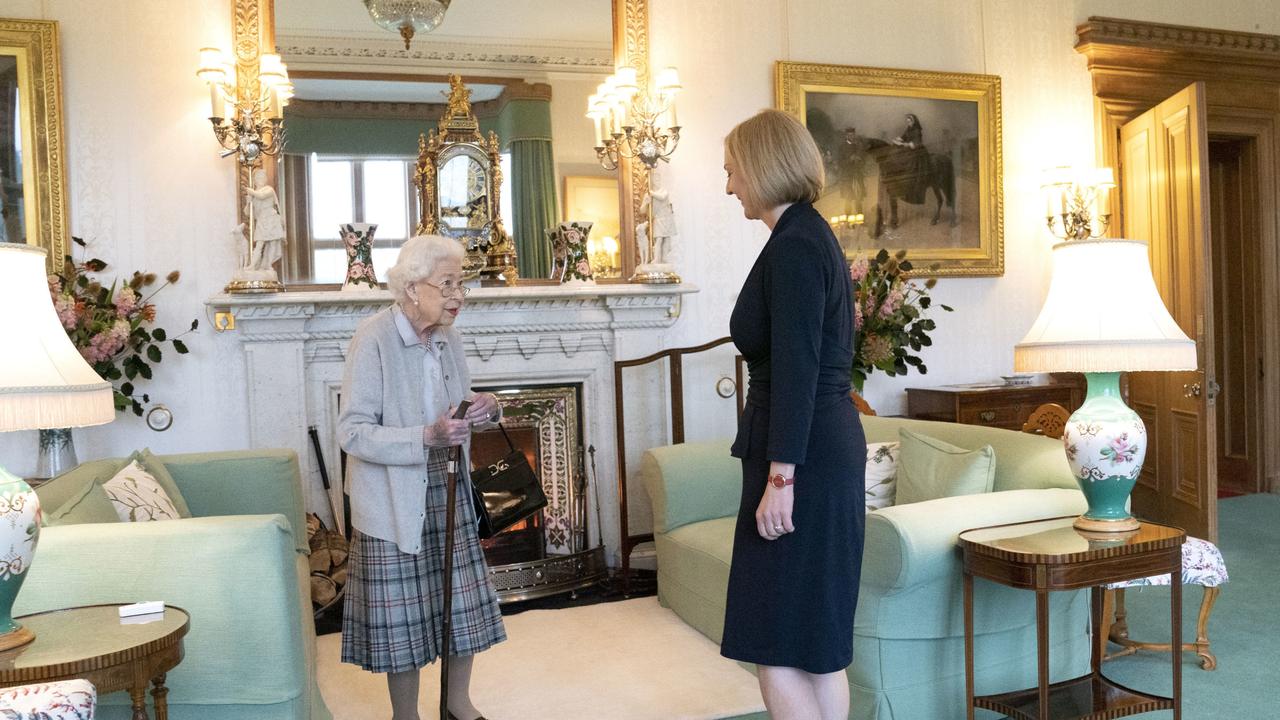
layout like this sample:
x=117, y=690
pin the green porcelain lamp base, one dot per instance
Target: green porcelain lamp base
x=1106, y=443
x=19, y=531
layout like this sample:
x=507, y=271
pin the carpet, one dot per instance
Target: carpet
x=1242, y=629
x=628, y=660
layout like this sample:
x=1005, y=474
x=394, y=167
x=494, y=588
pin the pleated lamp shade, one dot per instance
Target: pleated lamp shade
x=1103, y=314
x=44, y=382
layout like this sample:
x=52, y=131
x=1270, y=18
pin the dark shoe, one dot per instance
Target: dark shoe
x=455, y=717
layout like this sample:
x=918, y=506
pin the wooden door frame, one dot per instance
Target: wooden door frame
x=1134, y=66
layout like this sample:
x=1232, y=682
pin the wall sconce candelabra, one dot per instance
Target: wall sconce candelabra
x=629, y=123
x=246, y=127
x=1077, y=203
x=603, y=257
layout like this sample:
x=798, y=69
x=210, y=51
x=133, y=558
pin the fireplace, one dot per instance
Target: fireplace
x=547, y=554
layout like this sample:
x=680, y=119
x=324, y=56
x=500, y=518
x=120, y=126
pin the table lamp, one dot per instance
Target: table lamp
x=44, y=383
x=1104, y=316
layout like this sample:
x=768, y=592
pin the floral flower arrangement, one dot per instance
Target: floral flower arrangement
x=113, y=327
x=889, y=326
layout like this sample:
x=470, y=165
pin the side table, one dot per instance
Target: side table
x=1050, y=555
x=95, y=643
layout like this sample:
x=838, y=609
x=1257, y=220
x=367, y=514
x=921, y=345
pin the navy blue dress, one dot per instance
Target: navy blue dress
x=791, y=600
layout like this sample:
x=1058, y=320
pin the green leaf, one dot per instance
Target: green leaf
x=153, y=353
x=159, y=334
x=946, y=307
x=180, y=346
x=195, y=324
x=130, y=370
x=112, y=373
x=922, y=369
x=925, y=341
x=137, y=408
x=127, y=388
x=924, y=302
x=144, y=370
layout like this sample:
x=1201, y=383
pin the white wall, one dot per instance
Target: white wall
x=149, y=191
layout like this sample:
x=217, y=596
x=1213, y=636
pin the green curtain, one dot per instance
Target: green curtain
x=533, y=202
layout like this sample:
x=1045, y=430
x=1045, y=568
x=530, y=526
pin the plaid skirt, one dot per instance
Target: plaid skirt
x=393, y=613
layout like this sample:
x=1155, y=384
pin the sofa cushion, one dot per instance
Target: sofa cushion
x=91, y=505
x=694, y=570
x=882, y=474
x=929, y=469
x=138, y=496
x=703, y=476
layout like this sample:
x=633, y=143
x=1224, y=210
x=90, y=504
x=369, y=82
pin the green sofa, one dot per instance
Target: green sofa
x=908, y=644
x=238, y=566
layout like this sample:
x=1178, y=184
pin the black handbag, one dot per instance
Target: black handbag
x=505, y=492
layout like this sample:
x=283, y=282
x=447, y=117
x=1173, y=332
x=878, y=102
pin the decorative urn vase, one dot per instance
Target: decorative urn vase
x=1106, y=443
x=570, y=262
x=19, y=529
x=358, y=239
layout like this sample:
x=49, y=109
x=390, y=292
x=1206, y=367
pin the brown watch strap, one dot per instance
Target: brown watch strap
x=779, y=480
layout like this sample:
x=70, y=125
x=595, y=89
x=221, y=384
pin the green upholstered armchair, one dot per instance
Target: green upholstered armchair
x=238, y=566
x=908, y=654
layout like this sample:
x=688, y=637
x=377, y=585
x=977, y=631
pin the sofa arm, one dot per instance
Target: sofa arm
x=242, y=482
x=907, y=545
x=691, y=482
x=236, y=576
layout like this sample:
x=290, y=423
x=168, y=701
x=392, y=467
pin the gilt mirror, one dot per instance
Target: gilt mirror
x=362, y=101
x=33, y=206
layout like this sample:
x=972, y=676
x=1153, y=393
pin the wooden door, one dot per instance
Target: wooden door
x=1164, y=194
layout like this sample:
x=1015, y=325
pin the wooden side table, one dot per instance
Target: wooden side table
x=94, y=643
x=1050, y=555
x=1001, y=406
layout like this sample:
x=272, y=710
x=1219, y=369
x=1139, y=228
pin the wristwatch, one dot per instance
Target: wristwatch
x=780, y=481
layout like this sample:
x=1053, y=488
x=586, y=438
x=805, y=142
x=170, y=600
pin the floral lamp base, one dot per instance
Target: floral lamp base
x=19, y=530
x=358, y=239
x=1106, y=443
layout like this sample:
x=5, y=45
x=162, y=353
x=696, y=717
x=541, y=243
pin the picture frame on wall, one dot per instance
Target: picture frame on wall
x=912, y=160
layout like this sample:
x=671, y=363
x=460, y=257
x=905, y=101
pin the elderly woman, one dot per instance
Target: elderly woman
x=797, y=550
x=405, y=376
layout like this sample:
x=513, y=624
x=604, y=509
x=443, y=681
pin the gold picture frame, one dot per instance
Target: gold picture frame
x=913, y=161
x=34, y=45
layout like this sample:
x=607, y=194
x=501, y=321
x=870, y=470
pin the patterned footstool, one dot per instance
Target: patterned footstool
x=1202, y=565
x=66, y=700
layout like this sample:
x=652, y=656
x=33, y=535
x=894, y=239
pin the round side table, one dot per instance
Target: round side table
x=95, y=643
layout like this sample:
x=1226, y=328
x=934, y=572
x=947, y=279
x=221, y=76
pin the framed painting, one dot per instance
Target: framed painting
x=912, y=159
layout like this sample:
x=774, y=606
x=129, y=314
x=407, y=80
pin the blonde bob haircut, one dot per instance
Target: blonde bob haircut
x=777, y=160
x=418, y=259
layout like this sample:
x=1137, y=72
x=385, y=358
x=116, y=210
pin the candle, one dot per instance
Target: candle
x=595, y=120
x=216, y=108
x=674, y=122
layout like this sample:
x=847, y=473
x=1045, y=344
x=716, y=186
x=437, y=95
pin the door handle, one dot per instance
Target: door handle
x=1191, y=390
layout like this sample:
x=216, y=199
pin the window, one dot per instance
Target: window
x=344, y=189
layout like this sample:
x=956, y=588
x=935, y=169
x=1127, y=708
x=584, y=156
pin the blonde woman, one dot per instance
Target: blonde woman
x=406, y=374
x=797, y=551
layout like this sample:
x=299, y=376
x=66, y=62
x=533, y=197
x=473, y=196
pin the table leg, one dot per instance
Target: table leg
x=968, y=646
x=160, y=694
x=1175, y=644
x=1096, y=594
x=1042, y=650
x=138, y=694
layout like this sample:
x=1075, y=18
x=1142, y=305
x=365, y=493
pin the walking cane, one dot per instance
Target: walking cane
x=450, y=524
x=451, y=494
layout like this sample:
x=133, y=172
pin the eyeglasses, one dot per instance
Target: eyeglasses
x=449, y=287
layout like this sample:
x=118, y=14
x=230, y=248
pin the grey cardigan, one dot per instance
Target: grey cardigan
x=381, y=425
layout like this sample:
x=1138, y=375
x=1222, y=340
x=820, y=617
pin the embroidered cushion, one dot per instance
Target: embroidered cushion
x=929, y=469
x=882, y=473
x=66, y=700
x=138, y=495
x=1202, y=564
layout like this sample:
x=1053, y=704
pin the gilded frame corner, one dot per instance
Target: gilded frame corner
x=35, y=43
x=985, y=257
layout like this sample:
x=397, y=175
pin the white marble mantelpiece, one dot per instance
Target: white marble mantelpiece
x=294, y=344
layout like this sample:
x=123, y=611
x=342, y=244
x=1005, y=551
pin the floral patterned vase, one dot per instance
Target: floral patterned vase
x=570, y=261
x=1106, y=443
x=19, y=529
x=358, y=238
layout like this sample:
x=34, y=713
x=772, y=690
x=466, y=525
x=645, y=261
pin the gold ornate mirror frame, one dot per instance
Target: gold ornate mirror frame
x=253, y=23
x=44, y=170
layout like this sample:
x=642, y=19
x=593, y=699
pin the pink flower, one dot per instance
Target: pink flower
x=892, y=303
x=857, y=316
x=876, y=349
x=65, y=306
x=1120, y=450
x=584, y=268
x=55, y=284
x=573, y=236
x=858, y=268
x=107, y=343
x=126, y=301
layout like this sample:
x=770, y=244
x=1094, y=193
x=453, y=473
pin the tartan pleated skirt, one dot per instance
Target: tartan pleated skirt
x=393, y=613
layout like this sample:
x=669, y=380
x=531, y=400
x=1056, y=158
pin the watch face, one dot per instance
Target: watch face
x=159, y=418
